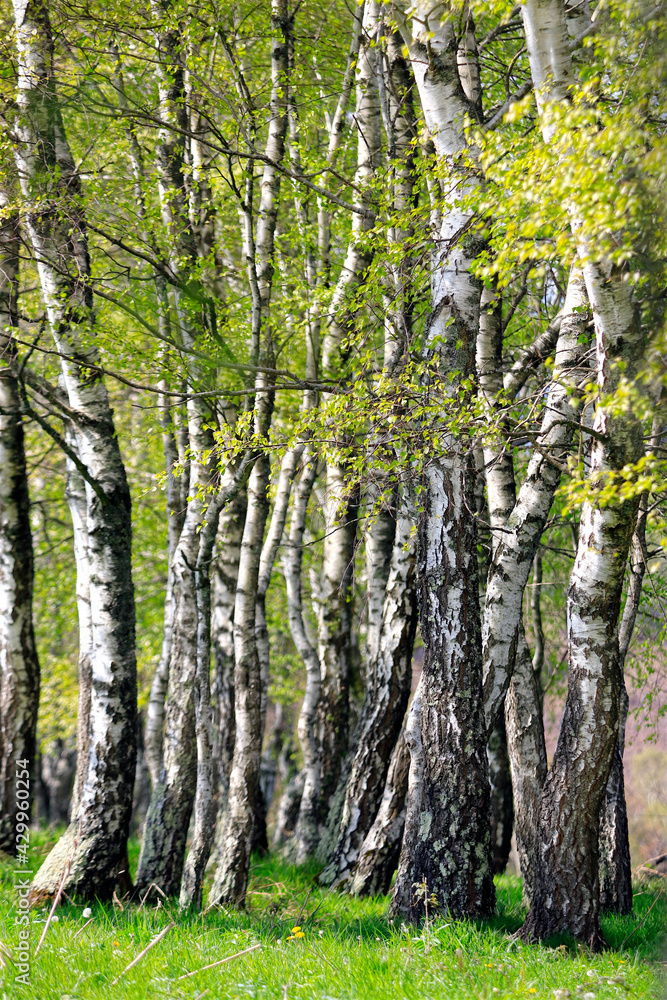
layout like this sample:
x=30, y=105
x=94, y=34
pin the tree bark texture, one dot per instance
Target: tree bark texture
x=94, y=845
x=502, y=800
x=223, y=596
x=204, y=806
x=524, y=725
x=615, y=868
x=165, y=832
x=176, y=515
x=452, y=849
x=75, y=492
x=19, y=664
x=388, y=678
x=403, y=900
x=379, y=853
x=498, y=467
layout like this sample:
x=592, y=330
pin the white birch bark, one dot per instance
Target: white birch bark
x=515, y=546
x=75, y=493
x=223, y=597
x=95, y=841
x=19, y=664
x=498, y=467
x=403, y=901
x=204, y=806
x=390, y=586
x=614, y=867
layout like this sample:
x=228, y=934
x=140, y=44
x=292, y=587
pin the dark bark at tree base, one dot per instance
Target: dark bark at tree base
x=379, y=854
x=615, y=869
x=94, y=871
x=502, y=803
x=288, y=814
x=385, y=702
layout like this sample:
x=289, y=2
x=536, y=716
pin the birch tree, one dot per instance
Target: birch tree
x=575, y=785
x=451, y=846
x=19, y=664
x=232, y=872
x=92, y=851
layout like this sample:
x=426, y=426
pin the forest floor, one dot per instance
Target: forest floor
x=344, y=948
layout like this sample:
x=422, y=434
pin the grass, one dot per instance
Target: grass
x=346, y=949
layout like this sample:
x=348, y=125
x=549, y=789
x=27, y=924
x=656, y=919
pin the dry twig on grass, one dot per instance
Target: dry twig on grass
x=220, y=962
x=144, y=952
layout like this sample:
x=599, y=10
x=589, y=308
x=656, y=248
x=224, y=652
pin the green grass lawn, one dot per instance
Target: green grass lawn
x=346, y=948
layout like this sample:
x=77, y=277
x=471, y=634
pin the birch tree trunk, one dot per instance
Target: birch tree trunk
x=223, y=596
x=403, y=900
x=388, y=688
x=175, y=517
x=498, y=467
x=379, y=853
x=334, y=602
x=615, y=869
x=389, y=548
x=175, y=507
x=306, y=832
x=288, y=468
x=19, y=665
x=231, y=877
x=566, y=897
x=516, y=545
x=94, y=846
x=517, y=524
x=75, y=493
x=165, y=831
x=204, y=807
x=451, y=850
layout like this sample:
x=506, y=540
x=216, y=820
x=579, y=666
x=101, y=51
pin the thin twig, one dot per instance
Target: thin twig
x=151, y=886
x=646, y=916
x=222, y=961
x=145, y=951
x=89, y=921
